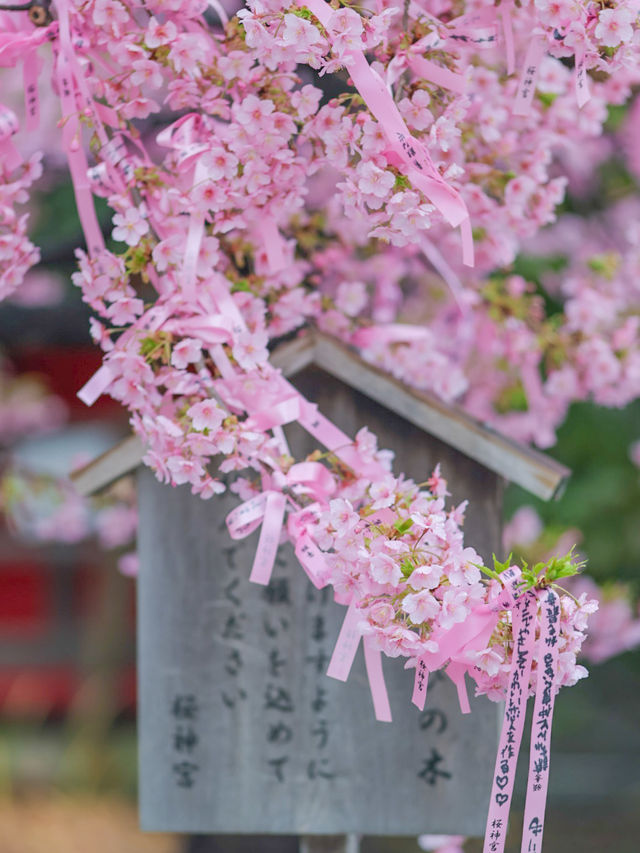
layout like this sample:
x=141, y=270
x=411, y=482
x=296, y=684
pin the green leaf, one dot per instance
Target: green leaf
x=402, y=525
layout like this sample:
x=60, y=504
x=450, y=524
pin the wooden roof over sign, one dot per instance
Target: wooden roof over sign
x=531, y=469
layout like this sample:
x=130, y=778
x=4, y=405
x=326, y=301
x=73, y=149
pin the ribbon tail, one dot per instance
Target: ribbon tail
x=456, y=672
x=540, y=754
x=512, y=725
x=269, y=539
x=507, y=29
x=96, y=386
x=346, y=646
x=420, y=684
x=373, y=663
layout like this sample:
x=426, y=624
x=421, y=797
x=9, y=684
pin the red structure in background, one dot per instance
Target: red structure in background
x=50, y=595
x=67, y=369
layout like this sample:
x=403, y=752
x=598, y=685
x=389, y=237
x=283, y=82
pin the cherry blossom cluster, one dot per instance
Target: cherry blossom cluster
x=601, y=37
x=400, y=557
x=17, y=253
x=268, y=203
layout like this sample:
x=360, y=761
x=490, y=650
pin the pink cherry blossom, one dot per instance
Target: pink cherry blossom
x=187, y=351
x=206, y=415
x=130, y=226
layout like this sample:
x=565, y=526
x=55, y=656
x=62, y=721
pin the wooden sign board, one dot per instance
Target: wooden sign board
x=240, y=730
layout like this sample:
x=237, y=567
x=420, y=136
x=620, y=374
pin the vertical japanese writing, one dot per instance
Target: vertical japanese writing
x=278, y=704
x=184, y=711
x=319, y=765
x=232, y=631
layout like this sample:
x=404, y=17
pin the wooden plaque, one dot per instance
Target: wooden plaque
x=240, y=730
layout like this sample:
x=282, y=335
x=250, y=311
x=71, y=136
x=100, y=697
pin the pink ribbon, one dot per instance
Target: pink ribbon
x=507, y=30
x=266, y=509
x=30, y=72
x=344, y=651
x=583, y=92
x=524, y=614
x=437, y=74
x=457, y=642
x=312, y=560
x=475, y=28
x=71, y=137
x=437, y=260
x=246, y=517
x=375, y=676
x=182, y=137
x=420, y=684
x=336, y=441
x=387, y=334
x=284, y=412
x=274, y=244
x=213, y=329
x=269, y=539
x=529, y=76
x=314, y=478
x=97, y=385
x=546, y=689
x=16, y=45
x=310, y=557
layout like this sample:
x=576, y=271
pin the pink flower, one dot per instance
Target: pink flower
x=252, y=112
x=124, y=310
x=454, y=608
x=146, y=73
x=188, y=51
x=375, y=181
x=380, y=614
x=300, y=33
x=250, y=349
x=416, y=111
x=187, y=351
x=426, y=577
x=184, y=470
x=614, y=26
x=383, y=492
x=420, y=606
x=305, y=101
x=351, y=297
x=384, y=569
x=490, y=660
x=208, y=487
x=342, y=518
x=206, y=415
x=110, y=14
x=131, y=227
x=160, y=34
